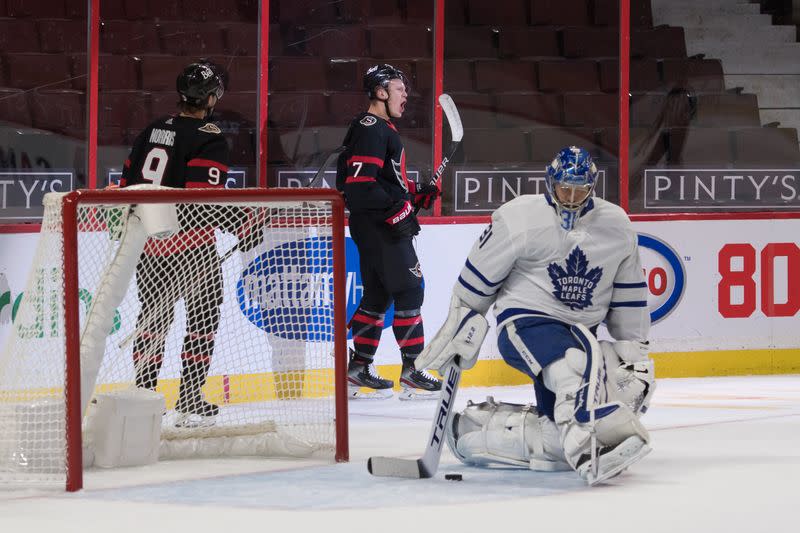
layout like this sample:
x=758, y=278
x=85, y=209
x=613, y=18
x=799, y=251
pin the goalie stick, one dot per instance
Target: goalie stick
x=456, y=134
x=426, y=466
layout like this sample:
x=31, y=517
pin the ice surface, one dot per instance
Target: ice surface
x=726, y=458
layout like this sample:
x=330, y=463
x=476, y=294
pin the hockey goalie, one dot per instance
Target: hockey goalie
x=555, y=266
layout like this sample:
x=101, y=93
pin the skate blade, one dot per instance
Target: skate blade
x=358, y=393
x=629, y=452
x=418, y=395
x=188, y=420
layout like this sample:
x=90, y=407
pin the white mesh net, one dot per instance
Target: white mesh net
x=231, y=319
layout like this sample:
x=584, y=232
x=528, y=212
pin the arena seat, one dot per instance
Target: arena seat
x=335, y=41
x=125, y=109
x=14, y=107
x=62, y=36
x=240, y=107
x=421, y=12
x=346, y=105
x=40, y=9
x=18, y=36
x=643, y=75
x=590, y=42
x=726, y=110
x=476, y=110
x=27, y=71
x=129, y=37
x=646, y=145
x=400, y=41
x=115, y=72
x=511, y=75
x=529, y=42
x=660, y=42
x=703, y=146
x=58, y=110
x=505, y=13
x=469, y=43
x=648, y=108
x=606, y=13
x=566, y=76
x=495, y=146
x=214, y=10
x=162, y=103
x=546, y=142
x=242, y=39
x=559, y=12
x=194, y=39
x=296, y=74
x=458, y=76
x=153, y=10
x=699, y=75
x=77, y=9
x=591, y=109
x=529, y=109
x=159, y=71
x=296, y=109
x=767, y=147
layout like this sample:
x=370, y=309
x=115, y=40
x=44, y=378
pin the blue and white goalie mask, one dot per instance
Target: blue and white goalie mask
x=570, y=180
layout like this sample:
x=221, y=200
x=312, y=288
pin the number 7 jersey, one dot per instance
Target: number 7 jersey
x=179, y=152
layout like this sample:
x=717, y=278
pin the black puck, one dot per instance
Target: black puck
x=453, y=477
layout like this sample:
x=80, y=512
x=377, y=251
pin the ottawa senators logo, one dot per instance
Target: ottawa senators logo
x=210, y=128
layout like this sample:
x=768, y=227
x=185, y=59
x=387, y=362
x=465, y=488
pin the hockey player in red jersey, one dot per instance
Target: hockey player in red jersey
x=185, y=150
x=371, y=172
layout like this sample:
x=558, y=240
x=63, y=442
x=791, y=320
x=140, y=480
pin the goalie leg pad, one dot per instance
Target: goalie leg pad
x=590, y=419
x=493, y=432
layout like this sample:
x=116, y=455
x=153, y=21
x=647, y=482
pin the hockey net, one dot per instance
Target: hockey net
x=241, y=308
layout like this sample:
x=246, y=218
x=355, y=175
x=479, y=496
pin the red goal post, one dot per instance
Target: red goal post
x=273, y=354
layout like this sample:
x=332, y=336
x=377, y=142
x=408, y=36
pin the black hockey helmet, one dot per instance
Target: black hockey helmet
x=380, y=76
x=218, y=69
x=196, y=82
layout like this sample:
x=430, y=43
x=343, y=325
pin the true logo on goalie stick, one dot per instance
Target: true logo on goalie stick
x=574, y=285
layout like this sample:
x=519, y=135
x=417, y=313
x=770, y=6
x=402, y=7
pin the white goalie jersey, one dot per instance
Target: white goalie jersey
x=528, y=265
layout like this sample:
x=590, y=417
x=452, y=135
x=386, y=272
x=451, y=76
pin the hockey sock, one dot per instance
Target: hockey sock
x=148, y=356
x=366, y=327
x=408, y=331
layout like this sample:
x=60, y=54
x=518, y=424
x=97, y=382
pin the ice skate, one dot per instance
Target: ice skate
x=612, y=460
x=418, y=384
x=195, y=412
x=362, y=376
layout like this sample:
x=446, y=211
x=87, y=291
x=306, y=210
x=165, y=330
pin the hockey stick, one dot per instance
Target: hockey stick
x=425, y=466
x=456, y=134
x=333, y=154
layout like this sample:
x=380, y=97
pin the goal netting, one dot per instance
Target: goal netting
x=228, y=303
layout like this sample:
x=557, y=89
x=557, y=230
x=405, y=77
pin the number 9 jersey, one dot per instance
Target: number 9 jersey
x=179, y=152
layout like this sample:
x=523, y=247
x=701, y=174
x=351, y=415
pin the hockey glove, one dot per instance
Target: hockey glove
x=423, y=195
x=401, y=220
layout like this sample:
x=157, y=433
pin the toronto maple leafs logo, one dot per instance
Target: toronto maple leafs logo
x=574, y=286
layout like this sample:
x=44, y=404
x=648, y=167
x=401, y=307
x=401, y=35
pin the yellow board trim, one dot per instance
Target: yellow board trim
x=244, y=388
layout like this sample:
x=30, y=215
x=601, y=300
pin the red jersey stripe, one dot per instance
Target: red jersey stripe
x=197, y=162
x=360, y=179
x=365, y=159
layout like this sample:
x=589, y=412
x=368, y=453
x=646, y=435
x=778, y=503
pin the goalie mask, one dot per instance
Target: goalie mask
x=197, y=82
x=571, y=178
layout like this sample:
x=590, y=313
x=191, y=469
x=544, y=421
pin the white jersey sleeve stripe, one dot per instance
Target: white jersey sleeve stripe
x=481, y=277
x=473, y=289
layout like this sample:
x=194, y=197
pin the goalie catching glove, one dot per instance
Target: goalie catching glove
x=461, y=334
